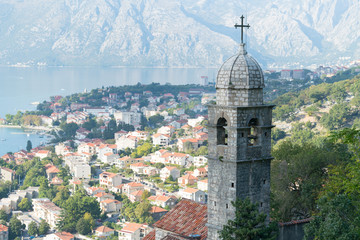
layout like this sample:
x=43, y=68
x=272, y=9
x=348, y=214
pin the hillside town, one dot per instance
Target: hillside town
x=140, y=151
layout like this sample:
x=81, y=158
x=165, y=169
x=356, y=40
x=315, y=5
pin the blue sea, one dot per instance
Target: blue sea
x=21, y=86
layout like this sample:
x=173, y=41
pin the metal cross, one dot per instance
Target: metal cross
x=242, y=26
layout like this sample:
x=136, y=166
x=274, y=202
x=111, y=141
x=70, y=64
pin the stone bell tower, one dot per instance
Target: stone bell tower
x=239, y=140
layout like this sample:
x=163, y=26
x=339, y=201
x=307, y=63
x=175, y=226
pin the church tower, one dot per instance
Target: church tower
x=239, y=140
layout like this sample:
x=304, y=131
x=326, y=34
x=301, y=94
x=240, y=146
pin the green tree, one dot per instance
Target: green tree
x=61, y=197
x=75, y=208
x=28, y=146
x=338, y=218
x=83, y=226
x=3, y=216
x=44, y=227
x=297, y=176
x=15, y=228
x=33, y=229
x=248, y=224
x=25, y=204
x=69, y=129
x=338, y=208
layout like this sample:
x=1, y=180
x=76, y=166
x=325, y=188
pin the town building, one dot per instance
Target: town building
x=6, y=174
x=169, y=171
x=133, y=231
x=193, y=194
x=4, y=232
x=47, y=210
x=109, y=179
x=60, y=236
x=104, y=232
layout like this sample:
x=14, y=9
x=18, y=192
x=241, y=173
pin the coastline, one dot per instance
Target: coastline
x=33, y=128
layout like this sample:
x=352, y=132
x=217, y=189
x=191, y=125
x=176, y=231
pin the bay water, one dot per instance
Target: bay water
x=22, y=86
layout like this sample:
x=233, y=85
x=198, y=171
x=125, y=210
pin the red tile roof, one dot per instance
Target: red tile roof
x=156, y=209
x=104, y=229
x=3, y=228
x=150, y=236
x=131, y=227
x=64, y=235
x=188, y=217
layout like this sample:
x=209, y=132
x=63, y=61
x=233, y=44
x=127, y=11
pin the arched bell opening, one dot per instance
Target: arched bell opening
x=222, y=133
x=253, y=132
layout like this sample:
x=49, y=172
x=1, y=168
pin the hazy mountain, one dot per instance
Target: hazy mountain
x=176, y=32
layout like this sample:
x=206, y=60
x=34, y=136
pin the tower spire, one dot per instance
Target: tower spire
x=242, y=26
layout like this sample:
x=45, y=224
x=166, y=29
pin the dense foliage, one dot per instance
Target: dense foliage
x=248, y=224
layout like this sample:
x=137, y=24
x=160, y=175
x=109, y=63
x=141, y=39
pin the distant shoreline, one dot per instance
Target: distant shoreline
x=37, y=128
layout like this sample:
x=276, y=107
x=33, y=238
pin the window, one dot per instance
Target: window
x=214, y=203
x=232, y=185
x=227, y=206
x=222, y=133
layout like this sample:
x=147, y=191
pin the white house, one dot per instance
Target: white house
x=193, y=194
x=134, y=231
x=169, y=171
x=161, y=139
x=47, y=210
x=138, y=167
x=126, y=141
x=200, y=161
x=168, y=130
x=109, y=179
x=60, y=236
x=203, y=185
x=104, y=232
x=82, y=171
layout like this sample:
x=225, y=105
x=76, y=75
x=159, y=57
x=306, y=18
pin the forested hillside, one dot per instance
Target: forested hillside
x=332, y=105
x=315, y=171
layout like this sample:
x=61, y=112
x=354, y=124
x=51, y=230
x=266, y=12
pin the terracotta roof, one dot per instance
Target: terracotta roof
x=150, y=236
x=109, y=174
x=104, y=229
x=186, y=218
x=190, y=190
x=64, y=235
x=193, y=140
x=139, y=164
x=201, y=169
x=110, y=201
x=152, y=198
x=96, y=188
x=52, y=169
x=160, y=134
x=3, y=228
x=101, y=194
x=56, y=180
x=189, y=177
x=156, y=209
x=108, y=154
x=43, y=151
x=137, y=193
x=160, y=198
x=134, y=184
x=131, y=227
x=170, y=168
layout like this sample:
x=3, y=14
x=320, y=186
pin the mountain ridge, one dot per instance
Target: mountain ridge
x=176, y=33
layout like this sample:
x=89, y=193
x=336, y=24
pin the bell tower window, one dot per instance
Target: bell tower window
x=222, y=133
x=253, y=132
